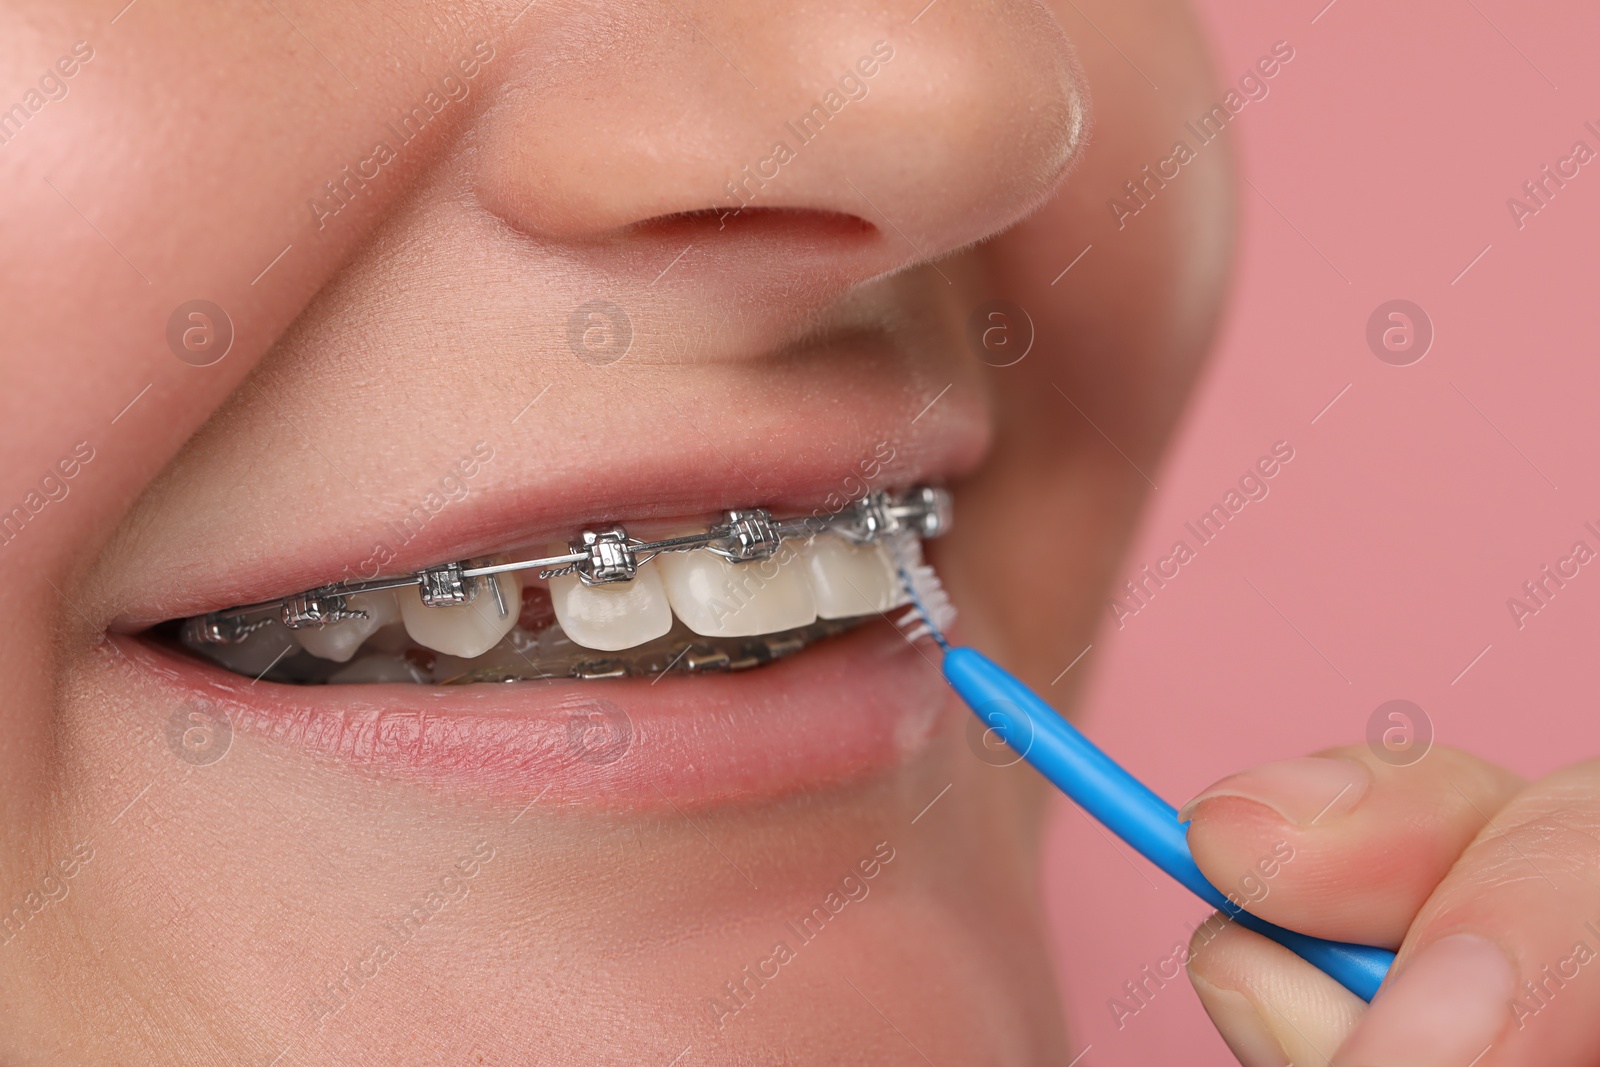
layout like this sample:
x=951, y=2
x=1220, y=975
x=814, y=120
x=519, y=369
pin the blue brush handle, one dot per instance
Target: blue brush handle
x=1128, y=809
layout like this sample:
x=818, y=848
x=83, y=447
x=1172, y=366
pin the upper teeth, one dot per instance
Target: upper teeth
x=828, y=578
x=850, y=579
x=747, y=576
x=464, y=630
x=338, y=641
x=615, y=616
x=716, y=597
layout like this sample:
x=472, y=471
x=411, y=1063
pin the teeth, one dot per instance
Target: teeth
x=806, y=591
x=718, y=598
x=256, y=653
x=377, y=667
x=338, y=641
x=849, y=579
x=465, y=630
x=614, y=616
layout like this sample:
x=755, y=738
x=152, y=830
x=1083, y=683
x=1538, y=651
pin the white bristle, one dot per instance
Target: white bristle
x=931, y=612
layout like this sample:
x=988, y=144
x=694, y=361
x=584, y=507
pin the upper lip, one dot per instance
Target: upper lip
x=514, y=504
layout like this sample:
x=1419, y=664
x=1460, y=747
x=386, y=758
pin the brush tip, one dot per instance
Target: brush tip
x=931, y=612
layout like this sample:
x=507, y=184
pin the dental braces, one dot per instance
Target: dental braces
x=596, y=556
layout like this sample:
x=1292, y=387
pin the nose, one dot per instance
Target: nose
x=897, y=135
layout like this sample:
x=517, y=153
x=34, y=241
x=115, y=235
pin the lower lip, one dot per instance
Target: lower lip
x=848, y=707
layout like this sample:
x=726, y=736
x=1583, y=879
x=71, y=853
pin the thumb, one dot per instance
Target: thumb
x=1271, y=1007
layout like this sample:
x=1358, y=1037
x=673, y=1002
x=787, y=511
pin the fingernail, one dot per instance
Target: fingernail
x=1302, y=791
x=1448, y=1006
x=1247, y=1034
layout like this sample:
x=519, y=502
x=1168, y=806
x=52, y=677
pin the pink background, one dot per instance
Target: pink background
x=1415, y=506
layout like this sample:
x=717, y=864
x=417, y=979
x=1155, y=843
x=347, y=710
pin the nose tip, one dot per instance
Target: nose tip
x=936, y=132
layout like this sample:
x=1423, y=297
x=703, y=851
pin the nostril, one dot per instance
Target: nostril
x=929, y=143
x=766, y=223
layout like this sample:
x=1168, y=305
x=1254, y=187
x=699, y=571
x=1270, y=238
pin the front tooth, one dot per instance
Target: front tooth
x=716, y=597
x=615, y=615
x=850, y=579
x=464, y=630
x=338, y=641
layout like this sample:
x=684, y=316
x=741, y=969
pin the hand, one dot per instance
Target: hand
x=1488, y=886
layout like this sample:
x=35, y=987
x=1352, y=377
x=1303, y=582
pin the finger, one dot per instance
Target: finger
x=1271, y=1006
x=1503, y=963
x=1343, y=845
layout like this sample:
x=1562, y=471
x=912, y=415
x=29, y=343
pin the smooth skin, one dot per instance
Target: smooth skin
x=219, y=903
x=208, y=905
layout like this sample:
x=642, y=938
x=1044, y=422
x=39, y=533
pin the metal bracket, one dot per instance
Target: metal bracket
x=446, y=584
x=610, y=557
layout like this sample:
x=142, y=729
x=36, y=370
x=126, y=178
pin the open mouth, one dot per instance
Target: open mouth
x=733, y=668
x=742, y=593
x=840, y=691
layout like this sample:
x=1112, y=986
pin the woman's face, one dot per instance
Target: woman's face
x=495, y=273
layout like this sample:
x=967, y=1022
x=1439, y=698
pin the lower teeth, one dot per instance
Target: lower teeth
x=524, y=655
